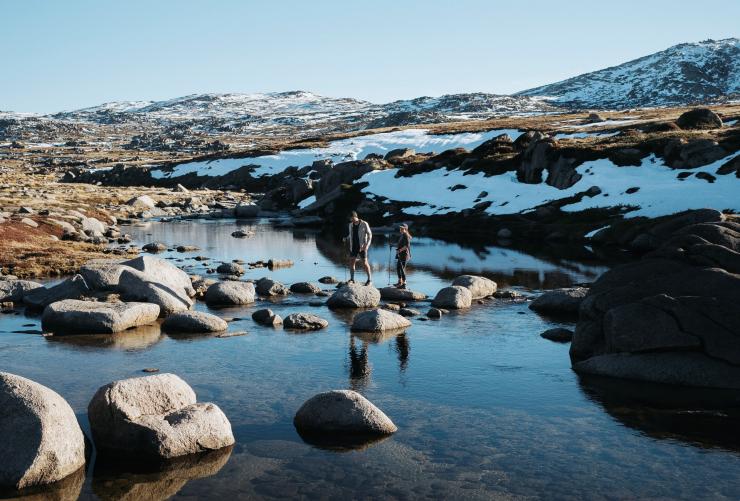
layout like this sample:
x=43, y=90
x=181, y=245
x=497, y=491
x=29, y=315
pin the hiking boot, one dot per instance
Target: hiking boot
x=369, y=282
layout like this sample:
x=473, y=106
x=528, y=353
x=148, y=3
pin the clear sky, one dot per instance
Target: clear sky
x=59, y=55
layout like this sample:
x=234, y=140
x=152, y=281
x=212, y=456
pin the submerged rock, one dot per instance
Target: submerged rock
x=230, y=293
x=558, y=334
x=479, y=287
x=455, y=297
x=156, y=416
x=194, y=322
x=342, y=411
x=354, y=296
x=328, y=280
x=72, y=316
x=41, y=439
x=379, y=320
x=304, y=321
x=565, y=301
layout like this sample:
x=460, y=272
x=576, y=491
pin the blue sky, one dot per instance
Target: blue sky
x=60, y=55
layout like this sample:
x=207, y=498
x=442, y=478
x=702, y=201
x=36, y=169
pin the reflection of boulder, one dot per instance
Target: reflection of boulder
x=138, y=338
x=702, y=417
x=67, y=489
x=341, y=442
x=154, y=481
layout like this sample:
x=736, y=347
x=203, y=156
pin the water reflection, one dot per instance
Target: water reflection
x=359, y=365
x=67, y=489
x=135, y=481
x=703, y=417
x=138, y=338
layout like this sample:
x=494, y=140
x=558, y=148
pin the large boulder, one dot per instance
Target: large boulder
x=72, y=316
x=354, y=296
x=155, y=416
x=41, y=439
x=396, y=294
x=14, y=290
x=565, y=301
x=670, y=317
x=479, y=287
x=230, y=293
x=342, y=411
x=164, y=272
x=194, y=322
x=135, y=285
x=455, y=297
x=304, y=321
x=72, y=288
x=379, y=320
x=269, y=287
x=102, y=274
x=699, y=118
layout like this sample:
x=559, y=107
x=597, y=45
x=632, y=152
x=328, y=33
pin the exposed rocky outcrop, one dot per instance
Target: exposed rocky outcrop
x=671, y=317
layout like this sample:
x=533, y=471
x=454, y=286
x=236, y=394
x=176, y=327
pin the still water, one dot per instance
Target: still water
x=484, y=406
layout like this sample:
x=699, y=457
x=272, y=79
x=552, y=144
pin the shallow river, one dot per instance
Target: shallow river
x=484, y=406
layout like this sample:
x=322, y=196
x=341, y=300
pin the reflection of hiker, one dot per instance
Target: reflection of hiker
x=403, y=349
x=359, y=238
x=403, y=254
x=359, y=366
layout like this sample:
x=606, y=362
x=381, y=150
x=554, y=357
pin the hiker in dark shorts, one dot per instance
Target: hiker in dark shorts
x=359, y=237
x=403, y=254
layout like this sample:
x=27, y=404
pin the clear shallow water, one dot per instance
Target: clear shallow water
x=485, y=407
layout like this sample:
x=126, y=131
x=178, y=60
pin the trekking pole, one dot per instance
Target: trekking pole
x=389, y=263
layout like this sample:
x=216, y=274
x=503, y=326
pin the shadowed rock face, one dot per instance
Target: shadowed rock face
x=41, y=439
x=671, y=317
x=135, y=480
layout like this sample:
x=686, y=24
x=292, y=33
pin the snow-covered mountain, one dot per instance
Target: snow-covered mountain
x=687, y=73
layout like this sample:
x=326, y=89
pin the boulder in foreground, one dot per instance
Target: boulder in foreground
x=342, y=411
x=354, y=296
x=379, y=320
x=72, y=316
x=41, y=439
x=157, y=417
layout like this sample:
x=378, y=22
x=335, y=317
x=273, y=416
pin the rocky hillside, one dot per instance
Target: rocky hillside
x=684, y=74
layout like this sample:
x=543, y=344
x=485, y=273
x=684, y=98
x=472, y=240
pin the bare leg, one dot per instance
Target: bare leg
x=352, y=262
x=366, y=265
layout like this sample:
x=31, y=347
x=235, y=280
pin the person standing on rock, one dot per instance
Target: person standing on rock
x=359, y=238
x=403, y=254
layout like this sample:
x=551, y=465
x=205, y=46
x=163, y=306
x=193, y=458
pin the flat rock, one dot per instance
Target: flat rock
x=42, y=441
x=156, y=416
x=396, y=294
x=304, y=321
x=342, y=411
x=455, y=297
x=194, y=322
x=354, y=296
x=72, y=316
x=479, y=287
x=565, y=301
x=379, y=320
x=305, y=288
x=230, y=293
